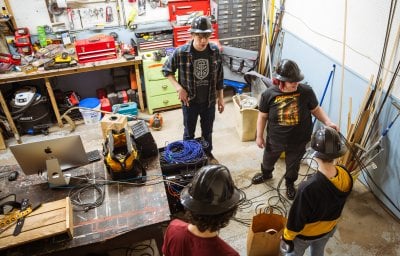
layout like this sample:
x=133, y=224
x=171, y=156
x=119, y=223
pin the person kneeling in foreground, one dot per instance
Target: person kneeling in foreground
x=210, y=201
x=320, y=199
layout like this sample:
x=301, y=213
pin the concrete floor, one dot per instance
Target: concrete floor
x=366, y=228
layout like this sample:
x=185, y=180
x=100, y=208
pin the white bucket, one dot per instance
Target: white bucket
x=90, y=117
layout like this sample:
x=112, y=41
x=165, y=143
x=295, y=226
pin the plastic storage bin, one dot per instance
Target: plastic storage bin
x=90, y=117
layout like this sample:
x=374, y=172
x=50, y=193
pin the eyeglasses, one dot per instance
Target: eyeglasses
x=203, y=35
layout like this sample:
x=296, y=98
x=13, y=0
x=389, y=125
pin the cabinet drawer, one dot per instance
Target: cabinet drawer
x=160, y=87
x=162, y=101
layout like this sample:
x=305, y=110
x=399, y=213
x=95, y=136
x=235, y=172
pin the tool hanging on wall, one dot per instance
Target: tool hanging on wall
x=141, y=7
x=80, y=18
x=109, y=14
x=118, y=13
x=54, y=9
x=154, y=3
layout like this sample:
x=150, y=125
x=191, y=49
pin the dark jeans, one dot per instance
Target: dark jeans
x=293, y=156
x=207, y=117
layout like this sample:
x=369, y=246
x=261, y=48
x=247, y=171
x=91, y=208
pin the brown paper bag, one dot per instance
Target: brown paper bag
x=265, y=234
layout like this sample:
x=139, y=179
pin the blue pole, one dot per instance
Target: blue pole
x=326, y=87
x=327, y=84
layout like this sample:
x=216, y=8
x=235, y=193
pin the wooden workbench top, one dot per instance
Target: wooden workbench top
x=80, y=68
x=126, y=209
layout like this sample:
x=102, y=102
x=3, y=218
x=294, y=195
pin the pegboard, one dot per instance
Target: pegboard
x=83, y=16
x=30, y=13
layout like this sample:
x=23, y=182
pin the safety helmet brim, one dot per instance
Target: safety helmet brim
x=211, y=192
x=297, y=78
x=288, y=71
x=199, y=31
x=331, y=156
x=204, y=208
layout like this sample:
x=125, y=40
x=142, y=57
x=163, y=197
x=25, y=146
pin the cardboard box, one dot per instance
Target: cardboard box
x=113, y=122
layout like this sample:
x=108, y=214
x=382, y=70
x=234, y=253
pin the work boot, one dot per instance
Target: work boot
x=260, y=178
x=290, y=190
x=211, y=159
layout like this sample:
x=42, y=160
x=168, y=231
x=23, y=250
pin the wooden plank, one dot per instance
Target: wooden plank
x=139, y=85
x=53, y=102
x=349, y=114
x=69, y=219
x=37, y=221
x=81, y=68
x=2, y=142
x=40, y=233
x=50, y=219
x=11, y=13
x=9, y=118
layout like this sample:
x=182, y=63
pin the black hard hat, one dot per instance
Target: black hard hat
x=288, y=71
x=327, y=143
x=211, y=191
x=201, y=24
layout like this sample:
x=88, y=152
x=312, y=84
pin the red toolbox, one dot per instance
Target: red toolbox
x=182, y=8
x=182, y=34
x=95, y=49
x=187, y=7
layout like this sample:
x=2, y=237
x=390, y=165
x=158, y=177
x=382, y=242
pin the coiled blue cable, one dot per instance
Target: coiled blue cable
x=183, y=151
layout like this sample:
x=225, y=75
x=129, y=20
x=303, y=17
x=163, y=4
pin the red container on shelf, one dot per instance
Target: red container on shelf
x=187, y=7
x=95, y=49
x=182, y=34
x=105, y=105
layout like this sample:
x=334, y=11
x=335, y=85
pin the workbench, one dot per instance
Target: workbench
x=80, y=68
x=129, y=213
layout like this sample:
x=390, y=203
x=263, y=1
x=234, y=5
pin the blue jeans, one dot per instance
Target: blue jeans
x=317, y=246
x=207, y=117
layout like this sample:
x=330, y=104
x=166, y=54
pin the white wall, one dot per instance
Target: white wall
x=321, y=24
x=313, y=37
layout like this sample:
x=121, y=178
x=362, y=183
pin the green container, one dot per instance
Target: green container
x=42, y=36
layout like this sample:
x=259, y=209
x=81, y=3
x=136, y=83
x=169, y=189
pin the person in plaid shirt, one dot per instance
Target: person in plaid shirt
x=200, y=81
x=288, y=107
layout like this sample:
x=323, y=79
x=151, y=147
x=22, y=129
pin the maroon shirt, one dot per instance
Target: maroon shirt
x=179, y=241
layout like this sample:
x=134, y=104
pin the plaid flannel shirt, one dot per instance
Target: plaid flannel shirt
x=182, y=60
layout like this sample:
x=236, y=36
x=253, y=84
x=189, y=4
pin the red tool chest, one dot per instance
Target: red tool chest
x=95, y=49
x=182, y=34
x=182, y=8
x=187, y=7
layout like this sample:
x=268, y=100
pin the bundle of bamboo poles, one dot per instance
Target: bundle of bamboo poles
x=356, y=132
x=359, y=133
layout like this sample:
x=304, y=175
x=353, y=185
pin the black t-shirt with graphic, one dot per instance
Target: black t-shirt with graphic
x=201, y=73
x=289, y=114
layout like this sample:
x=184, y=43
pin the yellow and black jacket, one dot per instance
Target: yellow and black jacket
x=318, y=205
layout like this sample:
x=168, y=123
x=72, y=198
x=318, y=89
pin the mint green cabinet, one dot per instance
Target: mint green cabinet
x=160, y=93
